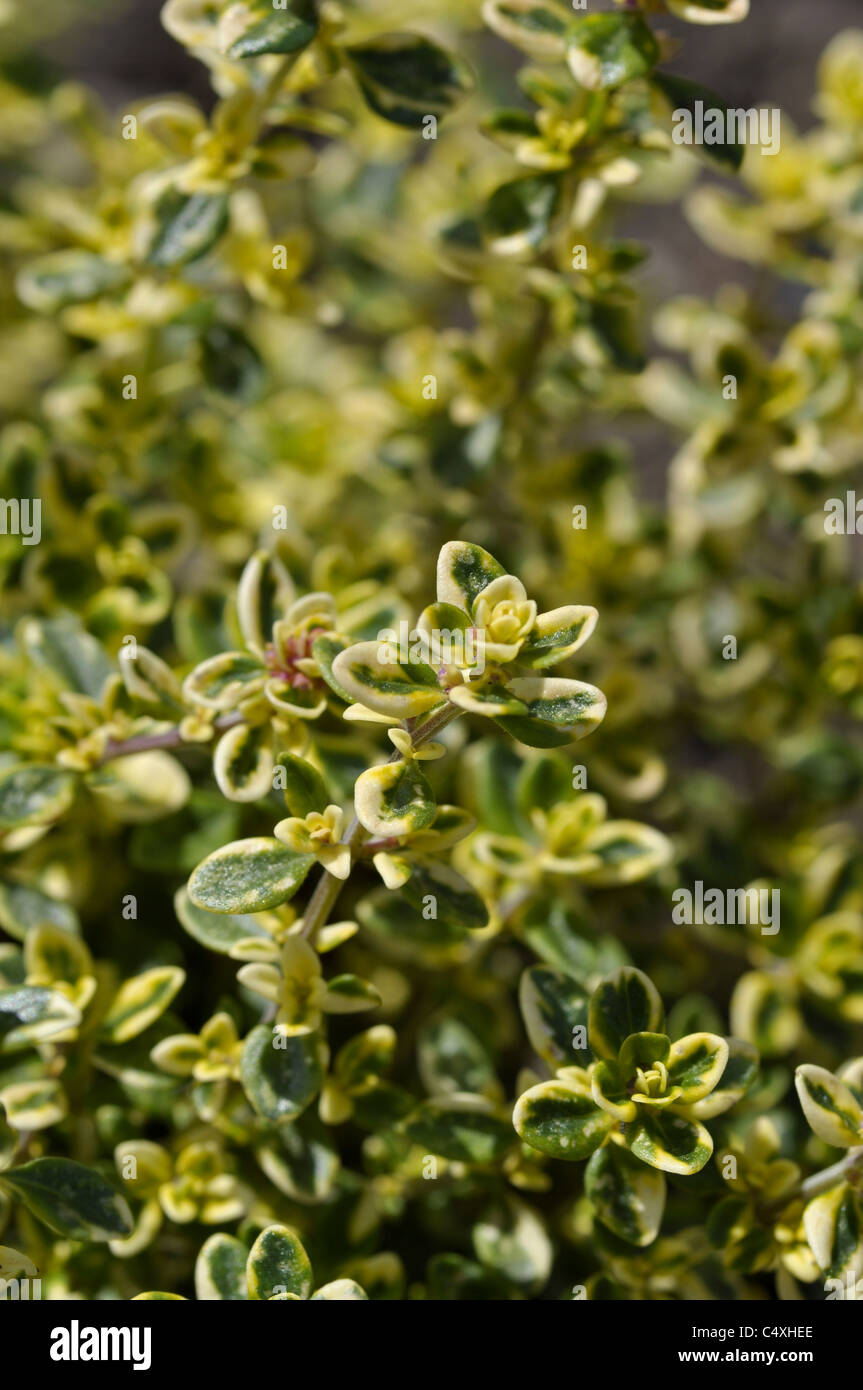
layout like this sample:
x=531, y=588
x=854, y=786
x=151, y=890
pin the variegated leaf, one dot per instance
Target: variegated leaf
x=463, y=1128
x=556, y=635
x=463, y=571
x=140, y=1001
x=554, y=1006
x=220, y=1269
x=492, y=701
x=30, y=1015
x=281, y=1074
x=830, y=1106
x=608, y=1088
x=34, y=1104
x=222, y=681
x=561, y=1120
x=671, y=1142
x=218, y=931
x=627, y=1196
x=833, y=1222
x=243, y=762
x=305, y=789
x=394, y=800
x=278, y=1264
x=625, y=1002
x=696, y=1064
x=383, y=685
x=35, y=794
x=558, y=710
x=23, y=906
x=71, y=1199
x=628, y=851
x=263, y=594
x=248, y=876
x=341, y=1289
x=348, y=994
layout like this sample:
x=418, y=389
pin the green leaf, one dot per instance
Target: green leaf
x=34, y=1104
x=627, y=1196
x=369, y=678
x=30, y=1014
x=556, y=635
x=739, y=1075
x=341, y=1290
x=538, y=28
x=696, y=1064
x=830, y=1106
x=681, y=95
x=281, y=1075
x=559, y=710
x=243, y=762
x=625, y=1002
x=140, y=1001
x=395, y=799
x=305, y=788
x=553, y=1006
x=349, y=994
x=710, y=11
x=35, y=794
x=607, y=50
x=764, y=1013
x=511, y=1239
x=404, y=77
x=366, y=1057
x=217, y=931
x=276, y=30
x=627, y=850
x=518, y=215
x=189, y=225
x=248, y=876
x=141, y=787
x=278, y=1264
x=220, y=1270
x=561, y=1120
x=462, y=1128
x=463, y=571
x=456, y=903
x=23, y=907
x=325, y=650
x=71, y=1199
x=608, y=1086
x=64, y=647
x=833, y=1222
x=302, y=1161
x=670, y=1142
x=52, y=282
x=452, y=1058
x=222, y=681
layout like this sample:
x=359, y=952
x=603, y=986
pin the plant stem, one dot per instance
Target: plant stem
x=829, y=1177
x=328, y=888
x=171, y=738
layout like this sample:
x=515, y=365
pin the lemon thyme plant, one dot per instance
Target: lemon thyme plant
x=332, y=960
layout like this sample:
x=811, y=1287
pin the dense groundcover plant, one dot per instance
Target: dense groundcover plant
x=427, y=869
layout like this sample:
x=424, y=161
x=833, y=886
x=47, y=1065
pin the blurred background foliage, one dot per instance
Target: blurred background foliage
x=557, y=386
